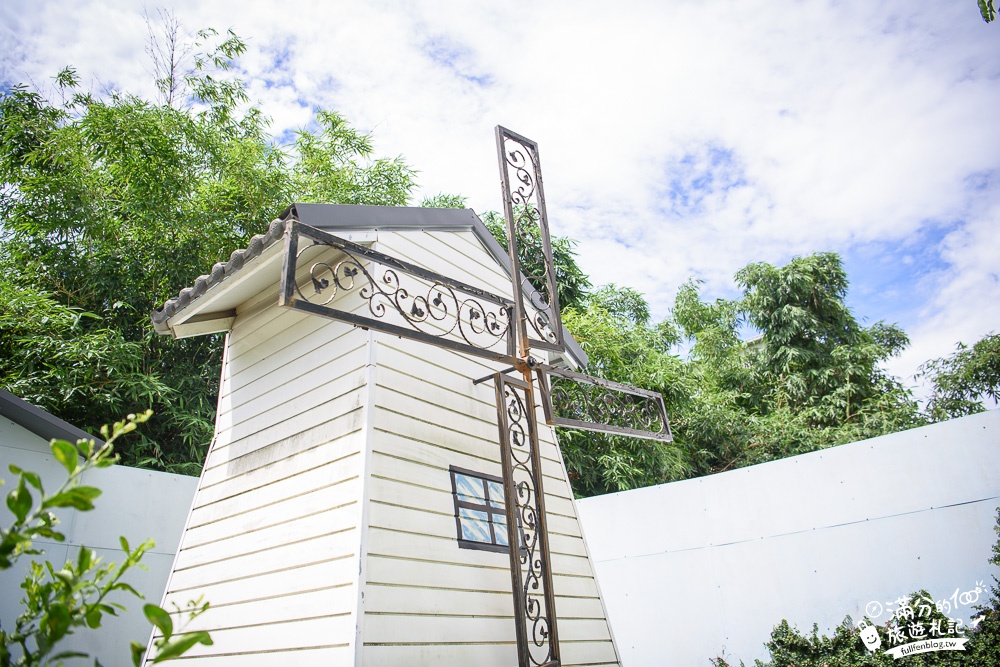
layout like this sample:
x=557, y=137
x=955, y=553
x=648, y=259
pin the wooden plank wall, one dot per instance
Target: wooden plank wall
x=274, y=535
x=324, y=513
x=426, y=601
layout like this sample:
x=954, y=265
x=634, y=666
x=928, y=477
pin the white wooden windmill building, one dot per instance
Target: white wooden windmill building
x=353, y=507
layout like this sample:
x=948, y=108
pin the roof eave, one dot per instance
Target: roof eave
x=201, y=309
x=209, y=306
x=38, y=421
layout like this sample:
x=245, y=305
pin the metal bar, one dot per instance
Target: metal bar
x=545, y=560
x=287, y=292
x=530, y=569
x=490, y=376
x=520, y=327
x=593, y=379
x=369, y=323
x=641, y=413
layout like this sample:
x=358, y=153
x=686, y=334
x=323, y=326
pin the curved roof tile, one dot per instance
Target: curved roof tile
x=219, y=273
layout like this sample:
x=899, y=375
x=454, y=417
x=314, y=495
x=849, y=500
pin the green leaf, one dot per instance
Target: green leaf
x=19, y=501
x=182, y=645
x=30, y=477
x=66, y=454
x=94, y=618
x=56, y=622
x=49, y=534
x=33, y=479
x=138, y=650
x=161, y=619
x=122, y=586
x=79, y=497
x=68, y=654
x=987, y=10
x=84, y=559
x=88, y=492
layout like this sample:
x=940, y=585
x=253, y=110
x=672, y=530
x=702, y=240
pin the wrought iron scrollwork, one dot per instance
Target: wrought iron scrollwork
x=534, y=606
x=401, y=298
x=437, y=309
x=595, y=404
x=528, y=239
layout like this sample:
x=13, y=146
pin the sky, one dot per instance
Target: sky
x=678, y=139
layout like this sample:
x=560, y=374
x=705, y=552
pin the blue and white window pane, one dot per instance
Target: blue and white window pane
x=500, y=529
x=470, y=489
x=496, y=494
x=475, y=525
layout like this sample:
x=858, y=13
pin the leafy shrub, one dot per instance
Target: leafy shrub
x=61, y=600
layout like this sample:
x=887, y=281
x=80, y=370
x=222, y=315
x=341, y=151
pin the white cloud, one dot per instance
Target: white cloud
x=843, y=125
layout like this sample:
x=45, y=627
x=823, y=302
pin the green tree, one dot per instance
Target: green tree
x=962, y=381
x=812, y=378
x=572, y=283
x=442, y=200
x=55, y=353
x=817, y=357
x=335, y=166
x=788, y=647
x=613, y=328
x=108, y=205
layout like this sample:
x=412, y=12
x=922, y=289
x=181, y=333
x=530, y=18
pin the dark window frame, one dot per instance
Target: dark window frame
x=487, y=508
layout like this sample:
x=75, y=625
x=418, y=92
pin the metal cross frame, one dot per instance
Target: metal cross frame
x=381, y=292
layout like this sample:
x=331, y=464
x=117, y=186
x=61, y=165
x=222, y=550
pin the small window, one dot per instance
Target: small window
x=479, y=510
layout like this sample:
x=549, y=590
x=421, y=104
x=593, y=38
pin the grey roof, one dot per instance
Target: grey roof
x=38, y=421
x=350, y=216
x=338, y=219
x=219, y=272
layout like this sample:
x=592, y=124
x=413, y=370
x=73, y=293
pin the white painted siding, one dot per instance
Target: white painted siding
x=273, y=538
x=324, y=522
x=425, y=598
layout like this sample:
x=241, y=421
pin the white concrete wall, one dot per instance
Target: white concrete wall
x=137, y=504
x=698, y=567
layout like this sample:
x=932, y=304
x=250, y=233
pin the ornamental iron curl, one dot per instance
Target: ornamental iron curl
x=594, y=404
x=401, y=298
x=531, y=577
x=528, y=237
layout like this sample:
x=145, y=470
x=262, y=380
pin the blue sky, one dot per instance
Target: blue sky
x=678, y=138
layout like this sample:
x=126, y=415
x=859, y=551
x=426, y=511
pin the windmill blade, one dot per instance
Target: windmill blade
x=536, y=297
x=591, y=403
x=332, y=277
x=530, y=569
